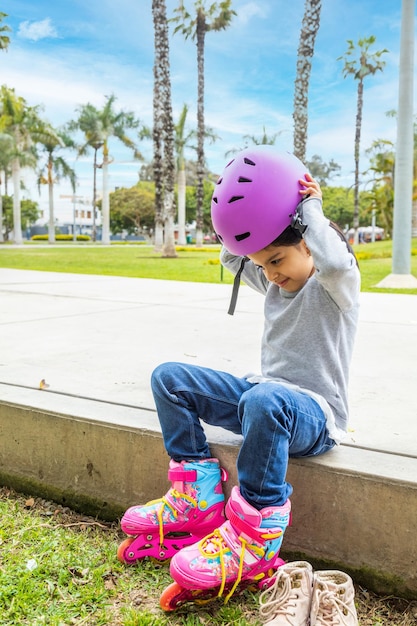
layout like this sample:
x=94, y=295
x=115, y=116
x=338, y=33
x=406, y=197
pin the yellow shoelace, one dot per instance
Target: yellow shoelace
x=216, y=540
x=165, y=503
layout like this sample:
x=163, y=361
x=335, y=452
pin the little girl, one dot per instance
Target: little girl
x=267, y=212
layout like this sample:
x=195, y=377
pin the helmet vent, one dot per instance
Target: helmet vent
x=242, y=179
x=249, y=161
x=242, y=236
x=234, y=198
x=214, y=199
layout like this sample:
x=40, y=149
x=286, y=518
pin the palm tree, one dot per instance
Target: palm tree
x=359, y=63
x=98, y=127
x=4, y=39
x=309, y=29
x=55, y=169
x=88, y=122
x=254, y=140
x=23, y=124
x=182, y=139
x=381, y=173
x=163, y=136
x=215, y=17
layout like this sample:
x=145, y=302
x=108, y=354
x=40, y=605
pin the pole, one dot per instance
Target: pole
x=403, y=176
x=403, y=186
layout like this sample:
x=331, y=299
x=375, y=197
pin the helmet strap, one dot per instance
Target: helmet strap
x=236, y=285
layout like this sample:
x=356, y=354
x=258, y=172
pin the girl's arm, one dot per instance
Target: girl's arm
x=336, y=267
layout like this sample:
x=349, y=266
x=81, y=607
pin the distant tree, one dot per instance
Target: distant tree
x=89, y=123
x=309, y=30
x=163, y=135
x=339, y=205
x=29, y=214
x=380, y=174
x=215, y=17
x=133, y=209
x=191, y=203
x=359, y=62
x=55, y=169
x=25, y=128
x=320, y=170
x=4, y=39
x=99, y=126
x=6, y=155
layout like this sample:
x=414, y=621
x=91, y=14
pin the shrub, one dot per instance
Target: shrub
x=61, y=238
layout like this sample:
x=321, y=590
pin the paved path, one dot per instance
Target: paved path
x=100, y=337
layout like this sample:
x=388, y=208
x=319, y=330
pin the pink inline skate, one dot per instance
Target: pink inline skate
x=193, y=507
x=242, y=553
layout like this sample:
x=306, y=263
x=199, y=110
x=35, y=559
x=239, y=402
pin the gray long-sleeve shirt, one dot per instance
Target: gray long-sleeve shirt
x=308, y=335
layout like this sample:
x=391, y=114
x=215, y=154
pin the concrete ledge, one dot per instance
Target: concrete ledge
x=353, y=508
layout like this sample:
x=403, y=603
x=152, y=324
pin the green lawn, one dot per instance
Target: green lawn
x=192, y=264
x=59, y=568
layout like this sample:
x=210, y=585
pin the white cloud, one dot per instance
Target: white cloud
x=37, y=30
x=249, y=10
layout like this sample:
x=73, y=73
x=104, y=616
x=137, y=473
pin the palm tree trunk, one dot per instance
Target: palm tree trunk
x=163, y=135
x=158, y=122
x=105, y=208
x=94, y=233
x=51, y=224
x=357, y=155
x=309, y=29
x=181, y=184
x=17, y=223
x=168, y=250
x=201, y=32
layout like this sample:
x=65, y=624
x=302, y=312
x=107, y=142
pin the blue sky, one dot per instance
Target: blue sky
x=66, y=53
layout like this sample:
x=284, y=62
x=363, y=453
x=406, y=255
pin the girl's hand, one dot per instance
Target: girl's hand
x=311, y=187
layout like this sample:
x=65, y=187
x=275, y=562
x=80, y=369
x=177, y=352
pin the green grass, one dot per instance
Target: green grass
x=191, y=264
x=58, y=568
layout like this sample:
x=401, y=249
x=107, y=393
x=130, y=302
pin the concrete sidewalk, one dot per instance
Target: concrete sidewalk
x=95, y=341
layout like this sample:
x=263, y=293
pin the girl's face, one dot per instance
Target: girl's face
x=288, y=267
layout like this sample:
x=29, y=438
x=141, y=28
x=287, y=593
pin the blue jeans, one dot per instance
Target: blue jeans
x=276, y=423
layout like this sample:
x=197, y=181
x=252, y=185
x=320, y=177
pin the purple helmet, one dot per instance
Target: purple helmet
x=256, y=198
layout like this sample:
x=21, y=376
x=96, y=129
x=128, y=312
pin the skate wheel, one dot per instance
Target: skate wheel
x=167, y=599
x=122, y=550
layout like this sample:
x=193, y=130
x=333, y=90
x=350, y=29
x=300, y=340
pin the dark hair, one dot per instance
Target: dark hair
x=291, y=237
x=288, y=237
